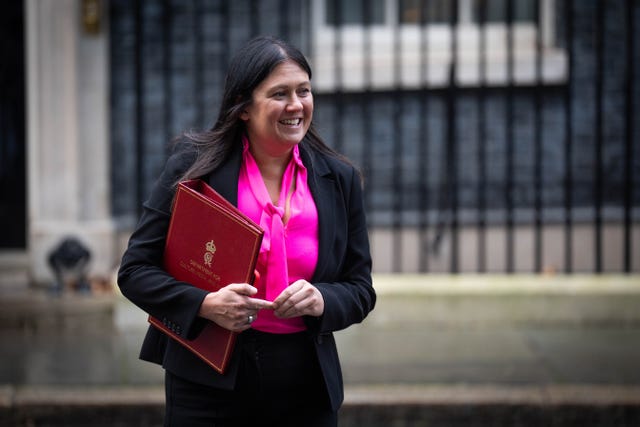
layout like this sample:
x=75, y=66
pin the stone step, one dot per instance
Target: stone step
x=14, y=271
x=478, y=301
x=372, y=406
x=39, y=311
x=430, y=301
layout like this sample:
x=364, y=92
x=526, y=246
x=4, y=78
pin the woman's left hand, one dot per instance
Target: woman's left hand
x=300, y=298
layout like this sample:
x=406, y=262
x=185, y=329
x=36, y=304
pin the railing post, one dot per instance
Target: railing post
x=568, y=144
x=629, y=133
x=599, y=137
x=140, y=108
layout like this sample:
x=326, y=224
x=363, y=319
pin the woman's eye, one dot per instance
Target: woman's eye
x=304, y=91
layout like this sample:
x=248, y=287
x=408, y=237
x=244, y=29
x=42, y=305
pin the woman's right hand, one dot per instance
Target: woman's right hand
x=233, y=307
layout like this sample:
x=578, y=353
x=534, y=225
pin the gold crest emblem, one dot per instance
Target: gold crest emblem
x=210, y=250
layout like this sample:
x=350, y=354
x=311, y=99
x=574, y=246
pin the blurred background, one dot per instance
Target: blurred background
x=500, y=146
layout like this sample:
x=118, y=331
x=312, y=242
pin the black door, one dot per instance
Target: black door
x=13, y=224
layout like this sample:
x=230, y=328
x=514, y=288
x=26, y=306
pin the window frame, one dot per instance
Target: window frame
x=410, y=56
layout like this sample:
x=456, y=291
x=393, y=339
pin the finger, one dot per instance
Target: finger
x=289, y=292
x=292, y=311
x=284, y=304
x=286, y=312
x=245, y=318
x=260, y=304
x=242, y=288
x=252, y=317
x=241, y=326
x=235, y=324
x=307, y=301
x=292, y=307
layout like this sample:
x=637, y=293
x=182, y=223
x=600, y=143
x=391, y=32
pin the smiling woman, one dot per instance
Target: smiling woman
x=280, y=112
x=265, y=157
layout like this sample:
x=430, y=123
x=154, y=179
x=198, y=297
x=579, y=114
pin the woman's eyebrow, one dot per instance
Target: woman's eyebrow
x=286, y=86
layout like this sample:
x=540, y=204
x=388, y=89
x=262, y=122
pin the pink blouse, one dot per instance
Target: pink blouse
x=289, y=249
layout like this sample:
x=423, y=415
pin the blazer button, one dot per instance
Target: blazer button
x=319, y=339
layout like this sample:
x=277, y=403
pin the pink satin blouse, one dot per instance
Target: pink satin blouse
x=289, y=249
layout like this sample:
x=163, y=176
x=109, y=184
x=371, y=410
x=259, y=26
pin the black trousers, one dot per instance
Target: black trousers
x=279, y=384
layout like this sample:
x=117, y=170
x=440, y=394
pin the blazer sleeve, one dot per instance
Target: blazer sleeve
x=347, y=289
x=141, y=276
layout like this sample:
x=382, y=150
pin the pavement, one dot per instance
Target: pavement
x=432, y=342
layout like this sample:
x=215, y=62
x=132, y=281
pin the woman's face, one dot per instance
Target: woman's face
x=281, y=109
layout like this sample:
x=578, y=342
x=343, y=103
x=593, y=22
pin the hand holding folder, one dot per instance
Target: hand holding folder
x=238, y=296
x=210, y=244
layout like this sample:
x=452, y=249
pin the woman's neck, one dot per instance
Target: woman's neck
x=272, y=168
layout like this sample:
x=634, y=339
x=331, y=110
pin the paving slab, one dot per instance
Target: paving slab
x=425, y=329
x=437, y=350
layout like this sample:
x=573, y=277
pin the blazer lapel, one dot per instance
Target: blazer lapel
x=225, y=179
x=322, y=187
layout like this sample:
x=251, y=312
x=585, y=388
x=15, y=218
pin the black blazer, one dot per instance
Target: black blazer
x=343, y=271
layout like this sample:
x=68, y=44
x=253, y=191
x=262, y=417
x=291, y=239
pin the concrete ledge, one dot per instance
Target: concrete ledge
x=35, y=311
x=506, y=284
x=371, y=406
x=463, y=405
x=475, y=301
x=430, y=299
x=82, y=406
x=14, y=270
x=462, y=394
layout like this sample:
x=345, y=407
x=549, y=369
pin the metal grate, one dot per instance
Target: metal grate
x=473, y=117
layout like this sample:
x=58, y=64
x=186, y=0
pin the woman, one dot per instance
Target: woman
x=264, y=156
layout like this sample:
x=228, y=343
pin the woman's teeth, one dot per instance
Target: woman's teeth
x=291, y=122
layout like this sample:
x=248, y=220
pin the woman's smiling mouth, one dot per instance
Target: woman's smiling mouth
x=291, y=122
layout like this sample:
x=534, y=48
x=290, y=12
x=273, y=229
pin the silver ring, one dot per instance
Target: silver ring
x=251, y=318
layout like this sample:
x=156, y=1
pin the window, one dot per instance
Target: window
x=409, y=43
x=353, y=13
x=417, y=11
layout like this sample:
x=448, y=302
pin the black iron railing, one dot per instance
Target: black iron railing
x=545, y=142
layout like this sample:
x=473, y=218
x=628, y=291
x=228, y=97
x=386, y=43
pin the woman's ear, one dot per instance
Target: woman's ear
x=244, y=116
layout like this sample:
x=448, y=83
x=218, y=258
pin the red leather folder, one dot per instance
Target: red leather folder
x=210, y=244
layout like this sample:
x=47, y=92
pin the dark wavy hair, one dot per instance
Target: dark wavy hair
x=248, y=68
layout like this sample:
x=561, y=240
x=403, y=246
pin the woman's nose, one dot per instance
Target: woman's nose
x=294, y=103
